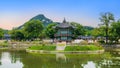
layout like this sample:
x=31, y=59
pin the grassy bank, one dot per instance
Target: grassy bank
x=68, y=48
x=48, y=48
x=83, y=48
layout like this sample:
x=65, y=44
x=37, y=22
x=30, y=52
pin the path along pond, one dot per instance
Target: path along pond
x=22, y=59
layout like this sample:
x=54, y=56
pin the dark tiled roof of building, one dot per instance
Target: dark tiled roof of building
x=64, y=24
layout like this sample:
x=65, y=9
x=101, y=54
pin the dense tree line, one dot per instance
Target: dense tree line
x=1, y=33
x=34, y=29
x=79, y=29
x=110, y=28
x=31, y=31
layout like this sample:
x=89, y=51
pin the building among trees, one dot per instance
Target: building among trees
x=64, y=32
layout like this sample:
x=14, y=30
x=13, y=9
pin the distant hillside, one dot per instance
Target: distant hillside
x=47, y=21
x=42, y=18
x=88, y=27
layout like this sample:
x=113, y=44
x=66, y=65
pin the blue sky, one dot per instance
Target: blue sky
x=14, y=13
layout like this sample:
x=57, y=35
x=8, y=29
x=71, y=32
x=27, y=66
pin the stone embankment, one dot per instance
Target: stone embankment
x=115, y=49
x=19, y=46
x=66, y=52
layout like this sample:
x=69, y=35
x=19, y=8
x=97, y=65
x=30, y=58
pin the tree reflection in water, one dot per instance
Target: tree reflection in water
x=26, y=60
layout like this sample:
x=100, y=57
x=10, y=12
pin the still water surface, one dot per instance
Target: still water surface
x=26, y=60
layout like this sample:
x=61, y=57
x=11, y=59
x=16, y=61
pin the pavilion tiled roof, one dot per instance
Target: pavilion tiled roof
x=64, y=24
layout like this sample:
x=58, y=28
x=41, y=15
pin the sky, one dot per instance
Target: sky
x=14, y=13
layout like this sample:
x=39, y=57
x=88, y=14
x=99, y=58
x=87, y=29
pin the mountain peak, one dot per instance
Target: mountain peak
x=42, y=18
x=40, y=15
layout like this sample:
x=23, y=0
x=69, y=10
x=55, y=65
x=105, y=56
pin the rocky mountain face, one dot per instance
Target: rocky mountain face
x=42, y=18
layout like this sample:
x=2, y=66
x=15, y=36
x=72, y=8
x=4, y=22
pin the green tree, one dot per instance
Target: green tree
x=98, y=32
x=1, y=33
x=17, y=34
x=115, y=31
x=88, y=30
x=33, y=29
x=79, y=30
x=42, y=35
x=50, y=31
x=107, y=18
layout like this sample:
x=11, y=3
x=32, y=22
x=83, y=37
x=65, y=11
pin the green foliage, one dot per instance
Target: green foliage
x=17, y=34
x=36, y=47
x=83, y=43
x=50, y=31
x=49, y=48
x=107, y=18
x=42, y=35
x=1, y=33
x=88, y=30
x=83, y=48
x=4, y=44
x=33, y=29
x=98, y=31
x=115, y=32
x=79, y=30
x=101, y=41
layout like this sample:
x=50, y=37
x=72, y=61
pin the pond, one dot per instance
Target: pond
x=17, y=59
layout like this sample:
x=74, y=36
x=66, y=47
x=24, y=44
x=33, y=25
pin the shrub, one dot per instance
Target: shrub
x=35, y=47
x=4, y=44
x=5, y=41
x=101, y=41
x=96, y=43
x=83, y=43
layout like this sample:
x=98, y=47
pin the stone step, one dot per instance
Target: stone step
x=60, y=47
